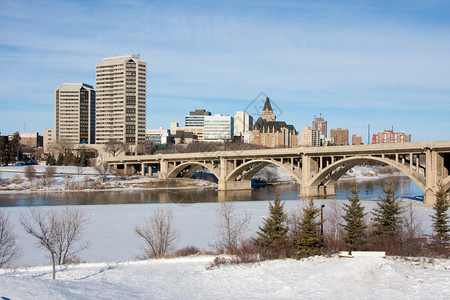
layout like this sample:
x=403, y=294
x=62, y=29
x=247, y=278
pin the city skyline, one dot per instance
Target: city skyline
x=381, y=63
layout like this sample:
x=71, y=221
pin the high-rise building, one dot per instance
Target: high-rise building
x=243, y=122
x=389, y=136
x=75, y=113
x=320, y=125
x=309, y=137
x=340, y=136
x=121, y=99
x=218, y=128
x=196, y=118
x=49, y=138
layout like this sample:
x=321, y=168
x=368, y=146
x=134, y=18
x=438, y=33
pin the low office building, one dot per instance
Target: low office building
x=340, y=136
x=195, y=130
x=196, y=118
x=159, y=136
x=389, y=136
x=218, y=128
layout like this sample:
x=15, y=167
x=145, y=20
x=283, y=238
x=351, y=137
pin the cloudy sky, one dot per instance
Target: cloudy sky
x=383, y=63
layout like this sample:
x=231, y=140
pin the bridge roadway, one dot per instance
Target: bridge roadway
x=316, y=169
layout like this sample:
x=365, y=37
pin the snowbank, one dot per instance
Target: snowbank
x=187, y=278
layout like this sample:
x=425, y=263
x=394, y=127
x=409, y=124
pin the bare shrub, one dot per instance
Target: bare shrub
x=332, y=226
x=68, y=181
x=230, y=227
x=49, y=174
x=16, y=179
x=57, y=232
x=245, y=253
x=159, y=234
x=30, y=173
x=187, y=251
x=104, y=170
x=9, y=250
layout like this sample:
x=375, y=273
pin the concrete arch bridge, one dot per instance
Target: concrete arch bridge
x=316, y=169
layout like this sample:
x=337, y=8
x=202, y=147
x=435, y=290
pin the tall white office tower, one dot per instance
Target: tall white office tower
x=121, y=99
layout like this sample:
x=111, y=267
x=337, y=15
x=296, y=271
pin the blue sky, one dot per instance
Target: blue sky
x=383, y=63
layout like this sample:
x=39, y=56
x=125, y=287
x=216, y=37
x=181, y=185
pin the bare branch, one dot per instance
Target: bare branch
x=9, y=250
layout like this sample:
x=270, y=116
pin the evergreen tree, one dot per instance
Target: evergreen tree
x=387, y=216
x=354, y=226
x=272, y=239
x=60, y=159
x=82, y=159
x=4, y=157
x=307, y=239
x=51, y=160
x=387, y=221
x=440, y=218
x=182, y=139
x=13, y=149
x=68, y=158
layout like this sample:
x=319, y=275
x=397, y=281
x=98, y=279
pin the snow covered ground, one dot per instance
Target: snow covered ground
x=67, y=178
x=187, y=278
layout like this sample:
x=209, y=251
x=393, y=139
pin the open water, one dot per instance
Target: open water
x=369, y=190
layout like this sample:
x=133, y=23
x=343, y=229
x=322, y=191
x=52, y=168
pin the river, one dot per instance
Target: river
x=369, y=190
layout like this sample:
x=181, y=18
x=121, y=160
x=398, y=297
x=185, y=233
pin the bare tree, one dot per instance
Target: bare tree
x=115, y=147
x=104, y=170
x=9, y=250
x=49, y=174
x=30, y=173
x=230, y=228
x=333, y=229
x=412, y=224
x=62, y=146
x=145, y=148
x=57, y=232
x=159, y=234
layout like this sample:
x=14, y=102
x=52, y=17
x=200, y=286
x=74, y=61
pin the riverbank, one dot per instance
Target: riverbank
x=13, y=179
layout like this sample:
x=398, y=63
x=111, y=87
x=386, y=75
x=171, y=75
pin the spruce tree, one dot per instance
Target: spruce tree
x=354, y=226
x=60, y=159
x=307, y=239
x=440, y=218
x=13, y=149
x=272, y=239
x=387, y=220
x=68, y=158
x=4, y=157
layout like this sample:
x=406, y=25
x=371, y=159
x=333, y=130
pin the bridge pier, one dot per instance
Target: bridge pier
x=429, y=197
x=316, y=191
x=234, y=185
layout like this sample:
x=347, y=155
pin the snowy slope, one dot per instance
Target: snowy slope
x=187, y=278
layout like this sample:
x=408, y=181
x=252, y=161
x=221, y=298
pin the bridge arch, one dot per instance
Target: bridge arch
x=330, y=174
x=191, y=167
x=247, y=170
x=446, y=183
